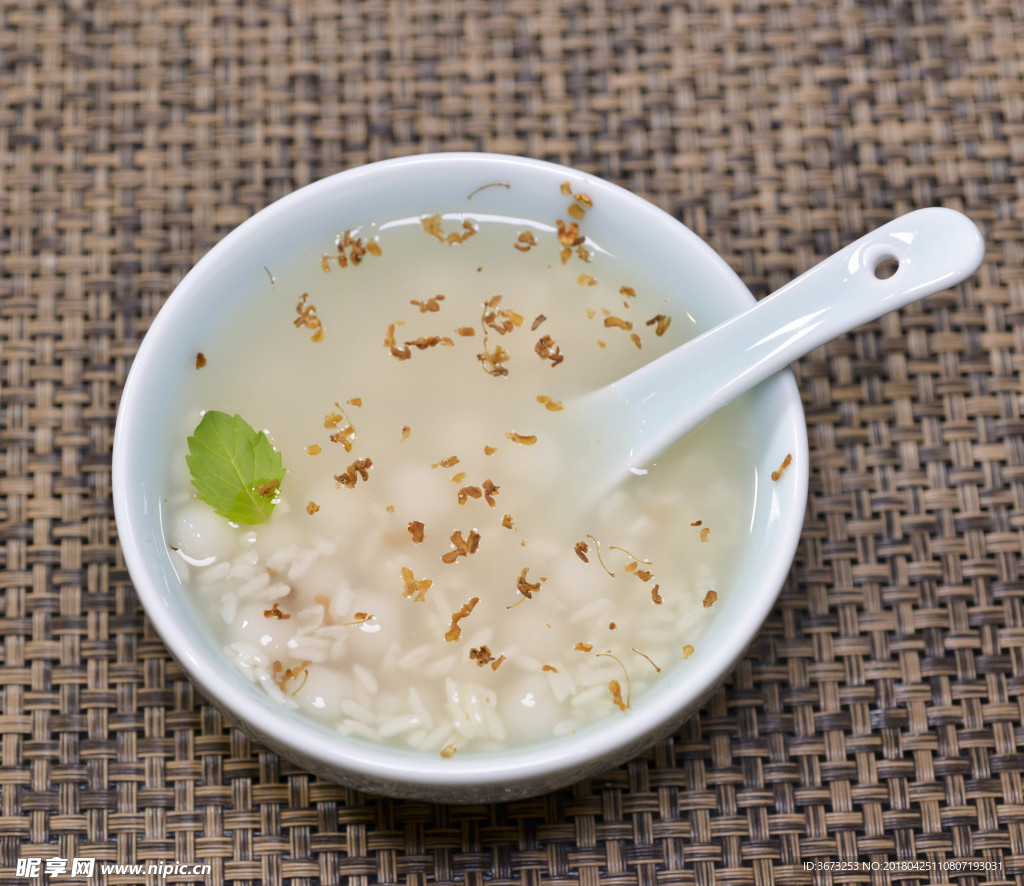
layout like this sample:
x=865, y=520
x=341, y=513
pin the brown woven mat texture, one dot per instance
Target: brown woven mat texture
x=872, y=733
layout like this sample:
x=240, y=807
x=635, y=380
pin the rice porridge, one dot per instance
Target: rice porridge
x=422, y=578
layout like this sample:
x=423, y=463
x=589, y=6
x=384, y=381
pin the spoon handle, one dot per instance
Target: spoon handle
x=933, y=249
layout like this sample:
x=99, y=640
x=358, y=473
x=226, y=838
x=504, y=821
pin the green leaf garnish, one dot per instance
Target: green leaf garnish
x=234, y=468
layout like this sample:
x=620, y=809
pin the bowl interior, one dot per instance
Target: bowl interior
x=281, y=244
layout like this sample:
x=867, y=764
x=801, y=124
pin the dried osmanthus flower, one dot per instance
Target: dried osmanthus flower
x=494, y=362
x=433, y=225
x=547, y=349
x=613, y=685
x=526, y=587
x=463, y=547
x=525, y=241
x=550, y=403
x=570, y=238
x=612, y=321
x=415, y=588
x=616, y=690
x=578, y=209
x=429, y=341
x=351, y=250
x=268, y=489
x=524, y=439
x=359, y=468
x=308, y=318
x=432, y=304
x=467, y=231
x=454, y=632
x=786, y=462
x=359, y=618
x=344, y=430
x=467, y=492
x=481, y=656
x=399, y=353
x=502, y=321
x=275, y=612
x=660, y=322
x=282, y=675
x=568, y=235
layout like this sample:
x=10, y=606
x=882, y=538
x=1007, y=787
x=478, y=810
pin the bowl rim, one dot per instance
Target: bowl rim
x=394, y=770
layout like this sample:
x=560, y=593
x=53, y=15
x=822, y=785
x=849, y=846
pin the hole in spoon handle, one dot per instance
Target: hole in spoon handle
x=882, y=260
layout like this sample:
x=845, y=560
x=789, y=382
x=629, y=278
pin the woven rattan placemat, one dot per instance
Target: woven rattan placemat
x=872, y=733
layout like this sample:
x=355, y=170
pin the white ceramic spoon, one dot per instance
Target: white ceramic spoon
x=628, y=423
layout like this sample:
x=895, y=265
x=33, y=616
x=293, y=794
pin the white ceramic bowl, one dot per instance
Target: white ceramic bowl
x=409, y=187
